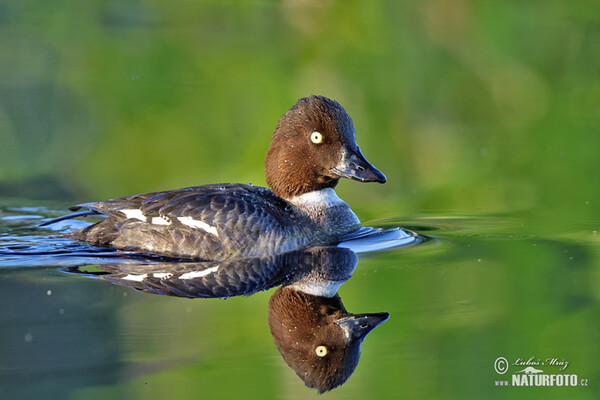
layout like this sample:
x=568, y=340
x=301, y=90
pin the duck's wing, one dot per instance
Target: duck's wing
x=115, y=207
x=207, y=222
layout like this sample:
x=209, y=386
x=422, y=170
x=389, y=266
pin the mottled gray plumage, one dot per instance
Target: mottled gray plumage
x=250, y=222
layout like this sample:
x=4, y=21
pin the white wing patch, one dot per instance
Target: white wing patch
x=134, y=214
x=139, y=278
x=161, y=220
x=162, y=275
x=194, y=223
x=139, y=215
x=199, y=274
x=136, y=278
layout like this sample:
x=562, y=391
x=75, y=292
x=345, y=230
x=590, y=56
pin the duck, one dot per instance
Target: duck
x=312, y=148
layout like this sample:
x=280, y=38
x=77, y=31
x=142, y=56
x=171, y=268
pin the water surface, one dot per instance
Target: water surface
x=482, y=287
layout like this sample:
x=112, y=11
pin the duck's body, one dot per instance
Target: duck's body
x=312, y=147
x=218, y=222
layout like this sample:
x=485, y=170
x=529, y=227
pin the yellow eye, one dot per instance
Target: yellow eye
x=316, y=137
x=321, y=351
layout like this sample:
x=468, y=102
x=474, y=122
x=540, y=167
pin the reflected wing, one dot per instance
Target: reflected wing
x=194, y=280
x=323, y=268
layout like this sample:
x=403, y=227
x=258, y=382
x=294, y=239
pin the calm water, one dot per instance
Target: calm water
x=483, y=287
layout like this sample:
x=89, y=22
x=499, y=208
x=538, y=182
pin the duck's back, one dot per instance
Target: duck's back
x=212, y=222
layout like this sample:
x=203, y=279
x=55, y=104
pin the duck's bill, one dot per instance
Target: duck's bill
x=354, y=165
x=357, y=326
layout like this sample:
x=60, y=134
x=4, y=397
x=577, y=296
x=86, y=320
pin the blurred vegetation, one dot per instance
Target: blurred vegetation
x=465, y=105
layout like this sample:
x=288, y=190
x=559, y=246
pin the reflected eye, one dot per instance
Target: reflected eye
x=316, y=137
x=321, y=351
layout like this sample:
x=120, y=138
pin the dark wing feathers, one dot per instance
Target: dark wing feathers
x=199, y=201
x=239, y=220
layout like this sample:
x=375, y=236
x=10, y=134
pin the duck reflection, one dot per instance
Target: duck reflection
x=312, y=330
x=317, y=337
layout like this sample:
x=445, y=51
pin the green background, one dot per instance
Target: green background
x=465, y=105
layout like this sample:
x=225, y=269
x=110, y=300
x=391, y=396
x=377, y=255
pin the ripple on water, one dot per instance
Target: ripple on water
x=485, y=227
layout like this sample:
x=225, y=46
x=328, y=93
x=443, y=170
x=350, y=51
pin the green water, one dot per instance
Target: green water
x=483, y=287
x=484, y=116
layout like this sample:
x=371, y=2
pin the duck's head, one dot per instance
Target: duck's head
x=313, y=146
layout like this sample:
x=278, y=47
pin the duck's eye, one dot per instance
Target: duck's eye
x=316, y=137
x=321, y=351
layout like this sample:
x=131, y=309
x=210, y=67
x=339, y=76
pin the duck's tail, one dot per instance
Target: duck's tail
x=69, y=216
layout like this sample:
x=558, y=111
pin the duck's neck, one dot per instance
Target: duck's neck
x=323, y=198
x=326, y=209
